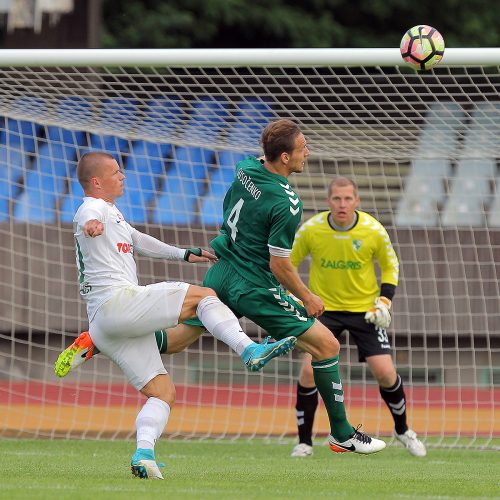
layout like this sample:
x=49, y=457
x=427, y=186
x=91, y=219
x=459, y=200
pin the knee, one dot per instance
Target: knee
x=161, y=387
x=208, y=292
x=386, y=378
x=328, y=347
x=168, y=396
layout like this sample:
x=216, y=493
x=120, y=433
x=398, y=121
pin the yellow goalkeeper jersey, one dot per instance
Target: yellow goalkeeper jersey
x=342, y=270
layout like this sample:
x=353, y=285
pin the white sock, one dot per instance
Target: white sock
x=220, y=321
x=151, y=421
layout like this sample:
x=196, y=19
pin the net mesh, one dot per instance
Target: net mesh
x=424, y=150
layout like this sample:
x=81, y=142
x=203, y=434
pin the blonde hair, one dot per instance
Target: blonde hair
x=342, y=182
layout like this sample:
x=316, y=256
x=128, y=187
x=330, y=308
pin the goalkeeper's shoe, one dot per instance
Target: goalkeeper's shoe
x=358, y=442
x=302, y=450
x=81, y=350
x=412, y=443
x=144, y=466
x=256, y=356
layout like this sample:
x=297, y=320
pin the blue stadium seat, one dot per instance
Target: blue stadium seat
x=162, y=117
x=183, y=186
x=43, y=186
x=184, y=181
x=71, y=201
x=111, y=144
x=75, y=110
x=145, y=162
x=221, y=179
x=252, y=115
x=144, y=166
x=17, y=143
x=11, y=172
x=115, y=114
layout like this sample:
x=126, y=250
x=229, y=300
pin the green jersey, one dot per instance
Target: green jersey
x=261, y=215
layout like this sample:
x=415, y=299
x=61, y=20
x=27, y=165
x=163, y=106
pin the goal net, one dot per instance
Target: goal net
x=423, y=148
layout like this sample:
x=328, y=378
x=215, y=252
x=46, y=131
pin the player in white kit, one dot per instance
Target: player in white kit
x=123, y=314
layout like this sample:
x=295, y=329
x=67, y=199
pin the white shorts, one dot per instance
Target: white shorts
x=123, y=327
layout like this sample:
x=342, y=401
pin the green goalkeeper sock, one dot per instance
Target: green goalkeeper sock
x=161, y=340
x=327, y=378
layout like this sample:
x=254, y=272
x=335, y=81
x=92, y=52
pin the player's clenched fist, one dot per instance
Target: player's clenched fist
x=380, y=313
x=93, y=228
x=314, y=306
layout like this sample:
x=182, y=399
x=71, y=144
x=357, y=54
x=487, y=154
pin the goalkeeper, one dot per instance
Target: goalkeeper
x=343, y=244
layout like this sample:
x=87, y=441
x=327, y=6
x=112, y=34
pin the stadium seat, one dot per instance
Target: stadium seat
x=17, y=144
x=494, y=211
x=71, y=201
x=43, y=186
x=424, y=190
x=12, y=163
x=438, y=136
x=481, y=139
x=183, y=184
x=162, y=117
x=117, y=114
x=424, y=187
x=251, y=116
x=145, y=162
x=470, y=190
x=221, y=179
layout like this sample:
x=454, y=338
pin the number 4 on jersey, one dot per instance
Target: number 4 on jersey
x=232, y=220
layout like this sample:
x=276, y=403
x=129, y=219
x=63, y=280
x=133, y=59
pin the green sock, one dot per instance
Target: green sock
x=161, y=340
x=327, y=378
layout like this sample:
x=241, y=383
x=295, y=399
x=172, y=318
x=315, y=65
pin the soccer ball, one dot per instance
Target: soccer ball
x=422, y=47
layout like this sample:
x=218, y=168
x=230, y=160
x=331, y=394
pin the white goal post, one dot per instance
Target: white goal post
x=424, y=148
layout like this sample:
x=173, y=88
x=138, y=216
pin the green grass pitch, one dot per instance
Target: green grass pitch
x=254, y=469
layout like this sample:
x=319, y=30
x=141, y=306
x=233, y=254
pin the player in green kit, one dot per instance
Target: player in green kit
x=261, y=215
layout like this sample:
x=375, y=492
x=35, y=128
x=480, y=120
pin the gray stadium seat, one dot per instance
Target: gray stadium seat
x=424, y=190
x=494, y=212
x=470, y=190
x=424, y=187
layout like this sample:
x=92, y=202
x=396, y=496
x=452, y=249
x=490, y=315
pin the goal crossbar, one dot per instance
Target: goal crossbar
x=235, y=57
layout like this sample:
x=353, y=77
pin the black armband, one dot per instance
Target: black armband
x=387, y=290
x=192, y=251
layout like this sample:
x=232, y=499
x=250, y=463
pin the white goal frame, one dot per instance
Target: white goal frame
x=446, y=270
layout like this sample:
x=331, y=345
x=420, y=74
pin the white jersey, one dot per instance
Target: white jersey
x=105, y=263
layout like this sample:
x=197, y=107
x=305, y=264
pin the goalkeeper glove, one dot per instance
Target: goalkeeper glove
x=380, y=313
x=192, y=251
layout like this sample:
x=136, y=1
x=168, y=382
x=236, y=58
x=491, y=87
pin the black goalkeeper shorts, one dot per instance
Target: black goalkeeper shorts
x=369, y=338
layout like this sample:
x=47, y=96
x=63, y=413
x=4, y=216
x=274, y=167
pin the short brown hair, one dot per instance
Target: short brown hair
x=88, y=166
x=279, y=137
x=342, y=182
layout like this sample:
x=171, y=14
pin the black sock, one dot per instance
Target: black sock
x=307, y=402
x=395, y=400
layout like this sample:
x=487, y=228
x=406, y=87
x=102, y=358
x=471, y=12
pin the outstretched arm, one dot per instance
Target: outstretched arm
x=146, y=245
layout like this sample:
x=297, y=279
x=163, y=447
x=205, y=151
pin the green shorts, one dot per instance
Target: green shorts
x=270, y=308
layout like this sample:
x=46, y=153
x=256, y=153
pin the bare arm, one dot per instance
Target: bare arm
x=288, y=276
